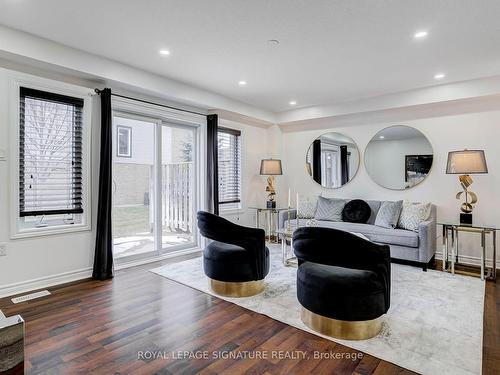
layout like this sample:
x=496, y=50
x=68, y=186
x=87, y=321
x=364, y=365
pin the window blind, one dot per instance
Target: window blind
x=229, y=166
x=50, y=154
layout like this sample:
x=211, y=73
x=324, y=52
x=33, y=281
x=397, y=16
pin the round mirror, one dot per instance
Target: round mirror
x=398, y=157
x=332, y=160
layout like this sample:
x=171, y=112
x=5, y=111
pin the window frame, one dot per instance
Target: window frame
x=233, y=206
x=56, y=224
x=129, y=141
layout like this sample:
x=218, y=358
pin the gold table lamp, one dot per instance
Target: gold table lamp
x=464, y=163
x=270, y=168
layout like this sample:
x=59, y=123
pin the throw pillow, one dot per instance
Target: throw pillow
x=413, y=214
x=356, y=211
x=307, y=207
x=388, y=214
x=329, y=209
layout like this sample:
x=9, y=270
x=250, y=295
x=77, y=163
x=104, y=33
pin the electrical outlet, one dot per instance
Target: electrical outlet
x=3, y=249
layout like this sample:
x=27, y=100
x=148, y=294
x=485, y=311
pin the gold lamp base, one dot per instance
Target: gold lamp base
x=236, y=289
x=341, y=329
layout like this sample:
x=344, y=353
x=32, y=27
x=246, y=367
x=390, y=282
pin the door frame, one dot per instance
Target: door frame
x=162, y=116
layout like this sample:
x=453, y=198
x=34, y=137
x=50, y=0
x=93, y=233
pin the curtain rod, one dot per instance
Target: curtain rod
x=148, y=102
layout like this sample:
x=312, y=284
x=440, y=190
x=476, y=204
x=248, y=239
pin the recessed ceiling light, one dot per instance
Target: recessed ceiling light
x=164, y=52
x=381, y=137
x=242, y=83
x=292, y=102
x=420, y=34
x=439, y=76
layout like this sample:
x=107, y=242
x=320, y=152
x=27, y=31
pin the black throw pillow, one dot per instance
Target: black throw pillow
x=356, y=211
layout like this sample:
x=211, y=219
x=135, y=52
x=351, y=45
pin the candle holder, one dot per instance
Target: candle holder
x=297, y=213
x=289, y=228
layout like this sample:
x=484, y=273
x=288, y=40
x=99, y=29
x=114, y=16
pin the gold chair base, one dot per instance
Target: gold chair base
x=236, y=289
x=341, y=329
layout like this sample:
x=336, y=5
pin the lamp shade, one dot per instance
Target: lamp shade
x=466, y=162
x=270, y=167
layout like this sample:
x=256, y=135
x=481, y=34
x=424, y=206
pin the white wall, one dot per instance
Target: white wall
x=475, y=130
x=385, y=160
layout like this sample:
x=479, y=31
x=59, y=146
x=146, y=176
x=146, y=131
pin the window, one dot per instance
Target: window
x=50, y=158
x=124, y=141
x=229, y=168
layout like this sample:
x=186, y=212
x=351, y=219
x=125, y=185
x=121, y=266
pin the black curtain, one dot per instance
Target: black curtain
x=103, y=259
x=212, y=165
x=344, y=165
x=317, y=161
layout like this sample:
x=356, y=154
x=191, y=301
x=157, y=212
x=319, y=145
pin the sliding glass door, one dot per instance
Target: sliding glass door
x=154, y=186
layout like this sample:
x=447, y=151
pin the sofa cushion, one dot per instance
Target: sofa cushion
x=232, y=263
x=329, y=209
x=388, y=214
x=375, y=206
x=413, y=214
x=340, y=293
x=306, y=207
x=356, y=211
x=381, y=235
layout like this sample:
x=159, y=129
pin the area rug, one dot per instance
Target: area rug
x=434, y=325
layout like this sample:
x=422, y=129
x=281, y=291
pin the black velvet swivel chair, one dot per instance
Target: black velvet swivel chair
x=237, y=260
x=343, y=282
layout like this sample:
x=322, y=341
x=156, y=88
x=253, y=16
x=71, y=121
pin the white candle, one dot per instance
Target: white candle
x=289, y=197
x=297, y=202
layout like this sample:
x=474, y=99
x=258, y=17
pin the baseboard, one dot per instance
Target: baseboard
x=44, y=282
x=85, y=273
x=469, y=260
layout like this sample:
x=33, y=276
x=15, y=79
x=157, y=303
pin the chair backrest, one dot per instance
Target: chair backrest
x=212, y=226
x=337, y=248
x=217, y=228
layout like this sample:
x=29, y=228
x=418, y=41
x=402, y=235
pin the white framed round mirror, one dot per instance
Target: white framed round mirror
x=332, y=160
x=399, y=157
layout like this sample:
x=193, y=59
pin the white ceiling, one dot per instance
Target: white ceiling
x=330, y=52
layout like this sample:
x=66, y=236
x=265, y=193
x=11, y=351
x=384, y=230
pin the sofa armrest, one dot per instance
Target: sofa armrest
x=283, y=216
x=426, y=240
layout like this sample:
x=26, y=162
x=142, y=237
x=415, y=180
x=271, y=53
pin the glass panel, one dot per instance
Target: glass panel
x=178, y=186
x=133, y=188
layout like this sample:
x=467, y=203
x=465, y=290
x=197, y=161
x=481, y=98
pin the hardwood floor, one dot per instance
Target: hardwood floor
x=136, y=322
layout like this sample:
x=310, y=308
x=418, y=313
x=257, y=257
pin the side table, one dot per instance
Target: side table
x=451, y=230
x=271, y=221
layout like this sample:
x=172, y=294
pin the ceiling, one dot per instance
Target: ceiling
x=330, y=51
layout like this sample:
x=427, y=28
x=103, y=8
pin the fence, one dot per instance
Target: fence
x=177, y=197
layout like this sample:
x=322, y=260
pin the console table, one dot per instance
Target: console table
x=271, y=218
x=451, y=230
